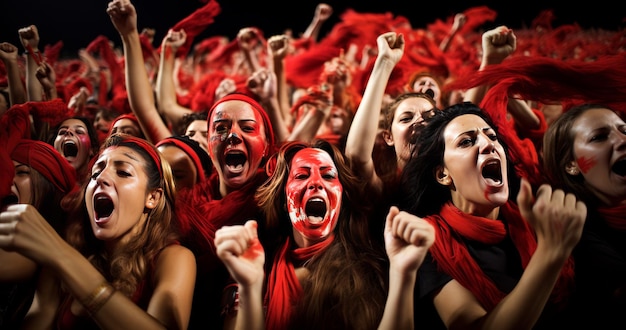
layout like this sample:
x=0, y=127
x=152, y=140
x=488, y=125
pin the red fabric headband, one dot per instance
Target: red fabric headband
x=47, y=161
x=241, y=97
x=189, y=151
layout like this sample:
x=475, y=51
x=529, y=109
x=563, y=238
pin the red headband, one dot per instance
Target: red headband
x=189, y=151
x=47, y=161
x=269, y=131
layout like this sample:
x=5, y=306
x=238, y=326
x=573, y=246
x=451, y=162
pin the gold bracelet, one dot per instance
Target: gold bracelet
x=98, y=297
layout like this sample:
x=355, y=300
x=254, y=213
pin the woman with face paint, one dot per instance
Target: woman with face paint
x=495, y=263
x=583, y=153
x=76, y=139
x=323, y=271
x=121, y=264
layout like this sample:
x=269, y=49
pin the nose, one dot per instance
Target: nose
x=488, y=145
x=233, y=138
x=103, y=178
x=69, y=132
x=315, y=182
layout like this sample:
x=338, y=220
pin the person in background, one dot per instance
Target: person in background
x=583, y=154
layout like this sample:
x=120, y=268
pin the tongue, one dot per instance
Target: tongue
x=235, y=168
x=492, y=182
x=314, y=219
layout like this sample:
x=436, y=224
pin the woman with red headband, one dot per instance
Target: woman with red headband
x=121, y=264
x=42, y=178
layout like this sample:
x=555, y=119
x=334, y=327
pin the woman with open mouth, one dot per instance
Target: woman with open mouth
x=495, y=263
x=121, y=264
x=584, y=153
x=76, y=139
x=323, y=270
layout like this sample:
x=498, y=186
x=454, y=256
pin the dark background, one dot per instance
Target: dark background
x=77, y=23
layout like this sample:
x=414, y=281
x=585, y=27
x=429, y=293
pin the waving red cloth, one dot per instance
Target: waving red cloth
x=453, y=258
x=196, y=23
x=283, y=288
x=615, y=216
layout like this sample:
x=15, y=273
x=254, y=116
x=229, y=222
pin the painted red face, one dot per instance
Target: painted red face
x=237, y=142
x=313, y=194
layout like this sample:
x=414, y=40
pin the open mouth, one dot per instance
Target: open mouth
x=315, y=210
x=70, y=149
x=492, y=172
x=103, y=206
x=9, y=200
x=430, y=93
x=235, y=161
x=619, y=167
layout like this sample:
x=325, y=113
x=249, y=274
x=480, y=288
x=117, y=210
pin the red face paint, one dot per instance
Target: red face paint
x=313, y=193
x=586, y=164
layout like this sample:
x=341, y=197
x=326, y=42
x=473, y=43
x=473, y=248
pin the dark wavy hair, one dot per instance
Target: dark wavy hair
x=421, y=194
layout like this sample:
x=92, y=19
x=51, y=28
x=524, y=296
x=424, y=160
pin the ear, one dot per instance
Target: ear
x=387, y=137
x=441, y=174
x=152, y=200
x=572, y=168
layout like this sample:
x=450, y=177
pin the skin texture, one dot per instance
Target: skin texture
x=126, y=126
x=471, y=144
x=599, y=140
x=21, y=187
x=409, y=112
x=118, y=174
x=184, y=170
x=197, y=130
x=236, y=129
x=313, y=175
x=74, y=130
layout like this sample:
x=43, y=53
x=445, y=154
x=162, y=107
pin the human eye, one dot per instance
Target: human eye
x=95, y=174
x=598, y=137
x=330, y=175
x=220, y=128
x=122, y=173
x=62, y=131
x=466, y=142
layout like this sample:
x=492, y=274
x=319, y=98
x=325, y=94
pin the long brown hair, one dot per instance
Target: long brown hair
x=346, y=287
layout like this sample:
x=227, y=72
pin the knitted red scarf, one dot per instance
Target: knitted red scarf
x=284, y=290
x=453, y=258
x=614, y=216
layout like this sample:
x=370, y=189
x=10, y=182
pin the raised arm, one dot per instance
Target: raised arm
x=497, y=45
x=140, y=91
x=165, y=88
x=322, y=14
x=29, y=36
x=17, y=91
x=407, y=240
x=277, y=47
x=362, y=134
x=240, y=250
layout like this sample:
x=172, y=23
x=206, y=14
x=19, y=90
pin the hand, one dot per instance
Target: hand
x=242, y=253
x=407, y=240
x=248, y=38
x=323, y=12
x=498, y=44
x=123, y=16
x=8, y=52
x=263, y=84
x=556, y=217
x=175, y=39
x=278, y=46
x=390, y=47
x=46, y=76
x=25, y=231
x=29, y=36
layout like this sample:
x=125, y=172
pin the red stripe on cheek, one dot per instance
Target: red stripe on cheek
x=586, y=164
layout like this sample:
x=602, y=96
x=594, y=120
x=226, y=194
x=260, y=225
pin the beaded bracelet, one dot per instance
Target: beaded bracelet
x=98, y=297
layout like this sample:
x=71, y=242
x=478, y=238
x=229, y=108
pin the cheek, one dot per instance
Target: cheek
x=586, y=164
x=85, y=141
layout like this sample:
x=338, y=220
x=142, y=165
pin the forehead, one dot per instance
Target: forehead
x=117, y=152
x=310, y=157
x=595, y=117
x=124, y=123
x=235, y=110
x=464, y=123
x=73, y=123
x=414, y=104
x=197, y=125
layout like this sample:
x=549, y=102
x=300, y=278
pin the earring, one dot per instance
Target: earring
x=573, y=171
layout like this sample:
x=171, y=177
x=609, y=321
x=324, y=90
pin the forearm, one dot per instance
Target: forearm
x=282, y=90
x=272, y=107
x=522, y=307
x=250, y=314
x=140, y=92
x=399, y=310
x=362, y=135
x=34, y=90
x=166, y=91
x=17, y=92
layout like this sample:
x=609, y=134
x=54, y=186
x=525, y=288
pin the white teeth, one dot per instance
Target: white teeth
x=316, y=199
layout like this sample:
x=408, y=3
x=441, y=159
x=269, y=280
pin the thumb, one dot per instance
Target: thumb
x=525, y=198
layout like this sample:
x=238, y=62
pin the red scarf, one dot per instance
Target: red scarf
x=284, y=290
x=452, y=256
x=615, y=216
